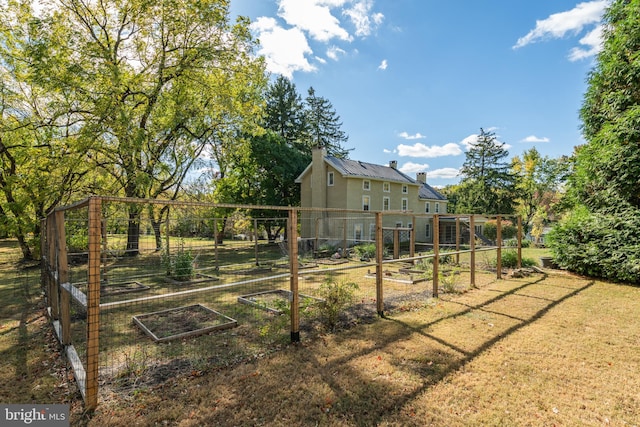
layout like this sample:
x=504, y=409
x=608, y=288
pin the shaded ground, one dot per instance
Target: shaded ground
x=541, y=350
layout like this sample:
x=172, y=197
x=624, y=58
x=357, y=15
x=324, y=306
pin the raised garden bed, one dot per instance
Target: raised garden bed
x=182, y=322
x=268, y=300
x=198, y=278
x=121, y=288
x=396, y=276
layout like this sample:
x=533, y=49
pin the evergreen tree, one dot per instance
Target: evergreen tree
x=488, y=185
x=324, y=126
x=284, y=111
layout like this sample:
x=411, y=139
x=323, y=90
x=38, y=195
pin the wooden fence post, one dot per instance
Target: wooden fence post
x=472, y=244
x=436, y=253
x=379, y=252
x=93, y=302
x=499, y=245
x=519, y=241
x=293, y=281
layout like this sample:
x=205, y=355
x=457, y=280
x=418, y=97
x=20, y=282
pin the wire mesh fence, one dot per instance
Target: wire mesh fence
x=140, y=290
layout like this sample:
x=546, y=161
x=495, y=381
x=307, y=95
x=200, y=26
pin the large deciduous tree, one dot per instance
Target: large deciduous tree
x=538, y=185
x=600, y=235
x=41, y=165
x=487, y=185
x=151, y=83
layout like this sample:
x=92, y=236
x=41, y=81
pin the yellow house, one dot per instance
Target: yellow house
x=334, y=183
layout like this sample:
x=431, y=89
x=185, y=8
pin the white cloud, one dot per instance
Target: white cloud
x=572, y=21
x=405, y=135
x=411, y=168
x=314, y=17
x=334, y=52
x=593, y=42
x=285, y=42
x=445, y=173
x=383, y=65
x=387, y=151
x=285, y=50
x=361, y=17
x=421, y=150
x=533, y=138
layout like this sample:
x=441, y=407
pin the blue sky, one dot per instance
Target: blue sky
x=415, y=80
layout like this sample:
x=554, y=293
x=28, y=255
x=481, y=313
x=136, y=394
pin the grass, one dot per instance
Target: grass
x=550, y=349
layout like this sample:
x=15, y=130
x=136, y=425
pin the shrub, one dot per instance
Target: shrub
x=598, y=244
x=337, y=296
x=490, y=230
x=365, y=250
x=509, y=259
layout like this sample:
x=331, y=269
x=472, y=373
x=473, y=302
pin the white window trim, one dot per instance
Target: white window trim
x=405, y=189
x=427, y=207
x=366, y=185
x=330, y=179
x=372, y=232
x=404, y=204
x=437, y=208
x=368, y=203
x=388, y=200
x=427, y=231
x=386, y=187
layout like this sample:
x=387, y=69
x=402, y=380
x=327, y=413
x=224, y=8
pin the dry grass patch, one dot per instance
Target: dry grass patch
x=556, y=350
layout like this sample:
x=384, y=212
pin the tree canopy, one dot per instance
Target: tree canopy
x=137, y=89
x=599, y=235
x=487, y=183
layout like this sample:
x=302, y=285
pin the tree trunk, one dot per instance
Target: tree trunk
x=133, y=231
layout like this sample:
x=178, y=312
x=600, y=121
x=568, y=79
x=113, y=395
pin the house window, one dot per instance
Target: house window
x=357, y=231
x=478, y=229
x=386, y=187
x=330, y=179
x=366, y=185
x=372, y=232
x=427, y=207
x=365, y=203
x=405, y=203
x=437, y=208
x=399, y=224
x=386, y=203
x=427, y=233
x=405, y=189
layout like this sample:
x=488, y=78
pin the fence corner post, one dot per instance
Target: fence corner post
x=379, y=252
x=292, y=234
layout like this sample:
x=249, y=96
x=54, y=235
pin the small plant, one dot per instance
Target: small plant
x=136, y=362
x=180, y=265
x=337, y=296
x=448, y=280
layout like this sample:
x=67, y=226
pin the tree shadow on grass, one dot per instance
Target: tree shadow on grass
x=361, y=385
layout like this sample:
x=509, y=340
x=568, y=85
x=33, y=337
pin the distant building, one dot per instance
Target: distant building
x=330, y=182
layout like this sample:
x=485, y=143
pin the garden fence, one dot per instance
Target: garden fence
x=138, y=290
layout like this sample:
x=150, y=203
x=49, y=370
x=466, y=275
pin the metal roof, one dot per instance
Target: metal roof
x=428, y=192
x=354, y=168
